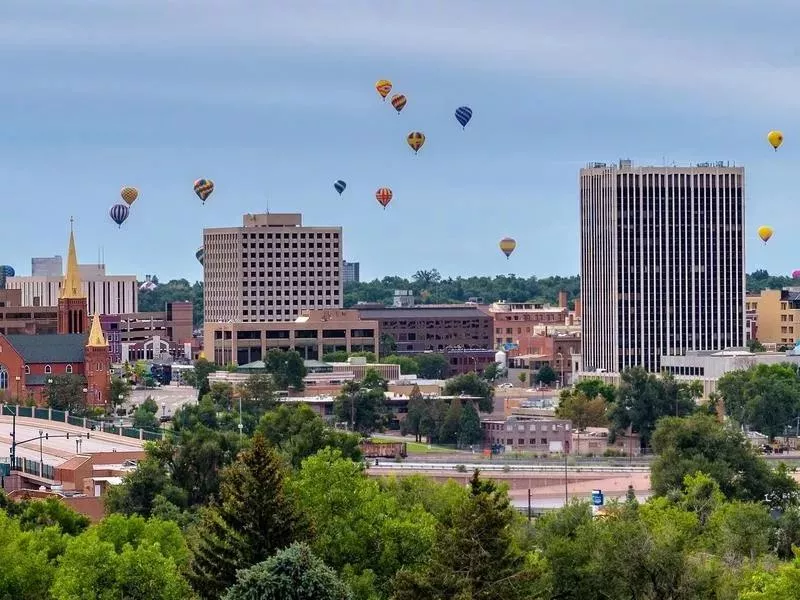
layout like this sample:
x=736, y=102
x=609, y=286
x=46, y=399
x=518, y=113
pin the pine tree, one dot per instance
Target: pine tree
x=253, y=520
x=448, y=434
x=469, y=429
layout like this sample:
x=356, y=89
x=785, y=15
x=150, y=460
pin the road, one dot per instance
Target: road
x=56, y=450
x=168, y=398
x=391, y=465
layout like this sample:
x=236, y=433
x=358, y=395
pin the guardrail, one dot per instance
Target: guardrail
x=397, y=466
x=60, y=416
x=30, y=467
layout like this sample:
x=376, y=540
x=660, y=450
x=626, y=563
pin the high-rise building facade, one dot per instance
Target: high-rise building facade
x=48, y=266
x=662, y=262
x=351, y=272
x=271, y=269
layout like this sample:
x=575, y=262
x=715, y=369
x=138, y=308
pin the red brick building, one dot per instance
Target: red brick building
x=28, y=362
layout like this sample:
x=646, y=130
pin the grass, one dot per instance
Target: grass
x=416, y=448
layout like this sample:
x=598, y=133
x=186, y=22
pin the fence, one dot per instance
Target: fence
x=31, y=467
x=59, y=416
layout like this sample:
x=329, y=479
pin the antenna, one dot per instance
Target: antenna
x=267, y=204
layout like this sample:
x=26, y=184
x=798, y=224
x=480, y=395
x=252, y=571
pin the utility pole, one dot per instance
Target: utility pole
x=566, y=480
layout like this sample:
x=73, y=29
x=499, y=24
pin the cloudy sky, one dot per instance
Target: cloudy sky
x=274, y=100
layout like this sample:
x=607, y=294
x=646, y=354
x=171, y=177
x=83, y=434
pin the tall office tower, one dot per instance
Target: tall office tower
x=662, y=262
x=351, y=272
x=270, y=269
x=49, y=266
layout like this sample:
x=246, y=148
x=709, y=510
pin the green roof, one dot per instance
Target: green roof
x=50, y=348
x=257, y=365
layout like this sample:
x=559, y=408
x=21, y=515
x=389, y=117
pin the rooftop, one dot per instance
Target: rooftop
x=442, y=311
x=50, y=348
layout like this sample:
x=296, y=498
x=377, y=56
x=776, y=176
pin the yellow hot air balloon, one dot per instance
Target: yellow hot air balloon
x=416, y=139
x=765, y=232
x=775, y=139
x=507, y=246
x=383, y=86
x=129, y=195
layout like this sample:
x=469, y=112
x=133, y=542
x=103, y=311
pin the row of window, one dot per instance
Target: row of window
x=4, y=374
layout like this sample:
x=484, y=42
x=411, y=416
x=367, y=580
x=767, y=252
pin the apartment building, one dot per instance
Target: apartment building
x=662, y=262
x=515, y=324
x=272, y=268
x=777, y=316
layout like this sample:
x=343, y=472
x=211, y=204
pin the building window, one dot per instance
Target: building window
x=69, y=368
x=48, y=369
x=3, y=378
x=27, y=369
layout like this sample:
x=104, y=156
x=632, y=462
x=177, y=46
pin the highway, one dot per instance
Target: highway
x=57, y=450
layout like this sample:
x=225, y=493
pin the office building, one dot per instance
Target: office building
x=49, y=266
x=662, y=262
x=351, y=272
x=776, y=321
x=272, y=268
x=106, y=294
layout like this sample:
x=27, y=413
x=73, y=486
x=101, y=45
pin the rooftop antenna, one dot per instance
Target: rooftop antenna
x=267, y=204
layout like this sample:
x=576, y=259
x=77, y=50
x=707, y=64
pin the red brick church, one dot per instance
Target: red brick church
x=27, y=362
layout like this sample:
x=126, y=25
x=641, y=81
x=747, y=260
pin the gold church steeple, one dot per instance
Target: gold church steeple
x=72, y=279
x=96, y=338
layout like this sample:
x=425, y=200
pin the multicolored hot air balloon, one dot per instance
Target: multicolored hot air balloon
x=765, y=232
x=200, y=254
x=118, y=213
x=339, y=186
x=399, y=101
x=775, y=139
x=129, y=195
x=463, y=115
x=384, y=196
x=203, y=188
x=416, y=139
x=795, y=274
x=507, y=246
x=384, y=86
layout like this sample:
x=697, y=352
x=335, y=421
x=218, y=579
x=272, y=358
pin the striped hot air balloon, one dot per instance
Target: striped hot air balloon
x=416, y=139
x=200, y=254
x=507, y=246
x=384, y=196
x=118, y=213
x=399, y=101
x=339, y=186
x=463, y=115
x=383, y=87
x=203, y=188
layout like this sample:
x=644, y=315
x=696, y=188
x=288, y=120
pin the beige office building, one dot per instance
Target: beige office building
x=106, y=294
x=272, y=268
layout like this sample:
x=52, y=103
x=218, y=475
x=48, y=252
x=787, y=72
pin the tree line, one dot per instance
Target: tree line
x=430, y=287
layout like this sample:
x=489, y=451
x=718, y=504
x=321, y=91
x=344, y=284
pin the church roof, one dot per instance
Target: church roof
x=96, y=339
x=72, y=279
x=50, y=348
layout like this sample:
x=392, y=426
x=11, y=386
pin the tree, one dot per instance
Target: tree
x=65, y=392
x=50, y=512
x=699, y=444
x=416, y=413
x=491, y=372
x=292, y=573
x=408, y=365
x=120, y=391
x=298, y=432
x=581, y=410
x=523, y=377
x=286, y=367
x=780, y=584
x=137, y=492
x=145, y=415
x=546, y=375
x=755, y=346
x=596, y=387
x=469, y=427
x=387, y=344
x=452, y=420
x=363, y=407
x=472, y=385
x=253, y=520
x=202, y=369
x=257, y=394
x=431, y=365
x=476, y=556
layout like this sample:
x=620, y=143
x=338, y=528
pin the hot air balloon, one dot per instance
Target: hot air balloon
x=339, y=186
x=765, y=232
x=129, y=195
x=507, y=246
x=795, y=274
x=775, y=139
x=200, y=254
x=7, y=271
x=384, y=86
x=118, y=213
x=383, y=196
x=399, y=101
x=416, y=139
x=203, y=188
x=463, y=115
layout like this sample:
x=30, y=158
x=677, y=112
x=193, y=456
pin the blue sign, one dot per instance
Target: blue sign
x=597, y=497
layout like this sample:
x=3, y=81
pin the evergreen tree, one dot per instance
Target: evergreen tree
x=469, y=429
x=448, y=434
x=253, y=520
x=416, y=413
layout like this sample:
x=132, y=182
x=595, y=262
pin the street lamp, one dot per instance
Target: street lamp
x=17, y=379
x=163, y=409
x=41, y=459
x=78, y=444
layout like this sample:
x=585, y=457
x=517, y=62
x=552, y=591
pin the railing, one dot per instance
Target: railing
x=59, y=416
x=30, y=467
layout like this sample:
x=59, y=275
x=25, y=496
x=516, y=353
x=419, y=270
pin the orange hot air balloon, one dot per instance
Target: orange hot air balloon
x=399, y=101
x=765, y=232
x=384, y=196
x=384, y=86
x=129, y=194
x=416, y=139
x=507, y=246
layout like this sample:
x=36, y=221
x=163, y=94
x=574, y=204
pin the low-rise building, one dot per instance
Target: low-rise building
x=777, y=315
x=522, y=434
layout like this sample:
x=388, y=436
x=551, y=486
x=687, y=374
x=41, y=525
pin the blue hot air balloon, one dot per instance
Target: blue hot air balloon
x=7, y=271
x=463, y=115
x=200, y=254
x=118, y=213
x=339, y=186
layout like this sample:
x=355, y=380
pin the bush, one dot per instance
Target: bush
x=461, y=468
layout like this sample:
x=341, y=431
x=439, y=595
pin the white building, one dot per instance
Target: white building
x=662, y=262
x=106, y=294
x=271, y=269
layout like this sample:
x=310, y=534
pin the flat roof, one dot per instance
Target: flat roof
x=423, y=312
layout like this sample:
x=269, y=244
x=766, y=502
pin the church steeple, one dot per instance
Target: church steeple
x=72, y=279
x=96, y=338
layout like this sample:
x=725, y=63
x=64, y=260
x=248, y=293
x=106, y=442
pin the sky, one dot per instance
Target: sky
x=275, y=100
